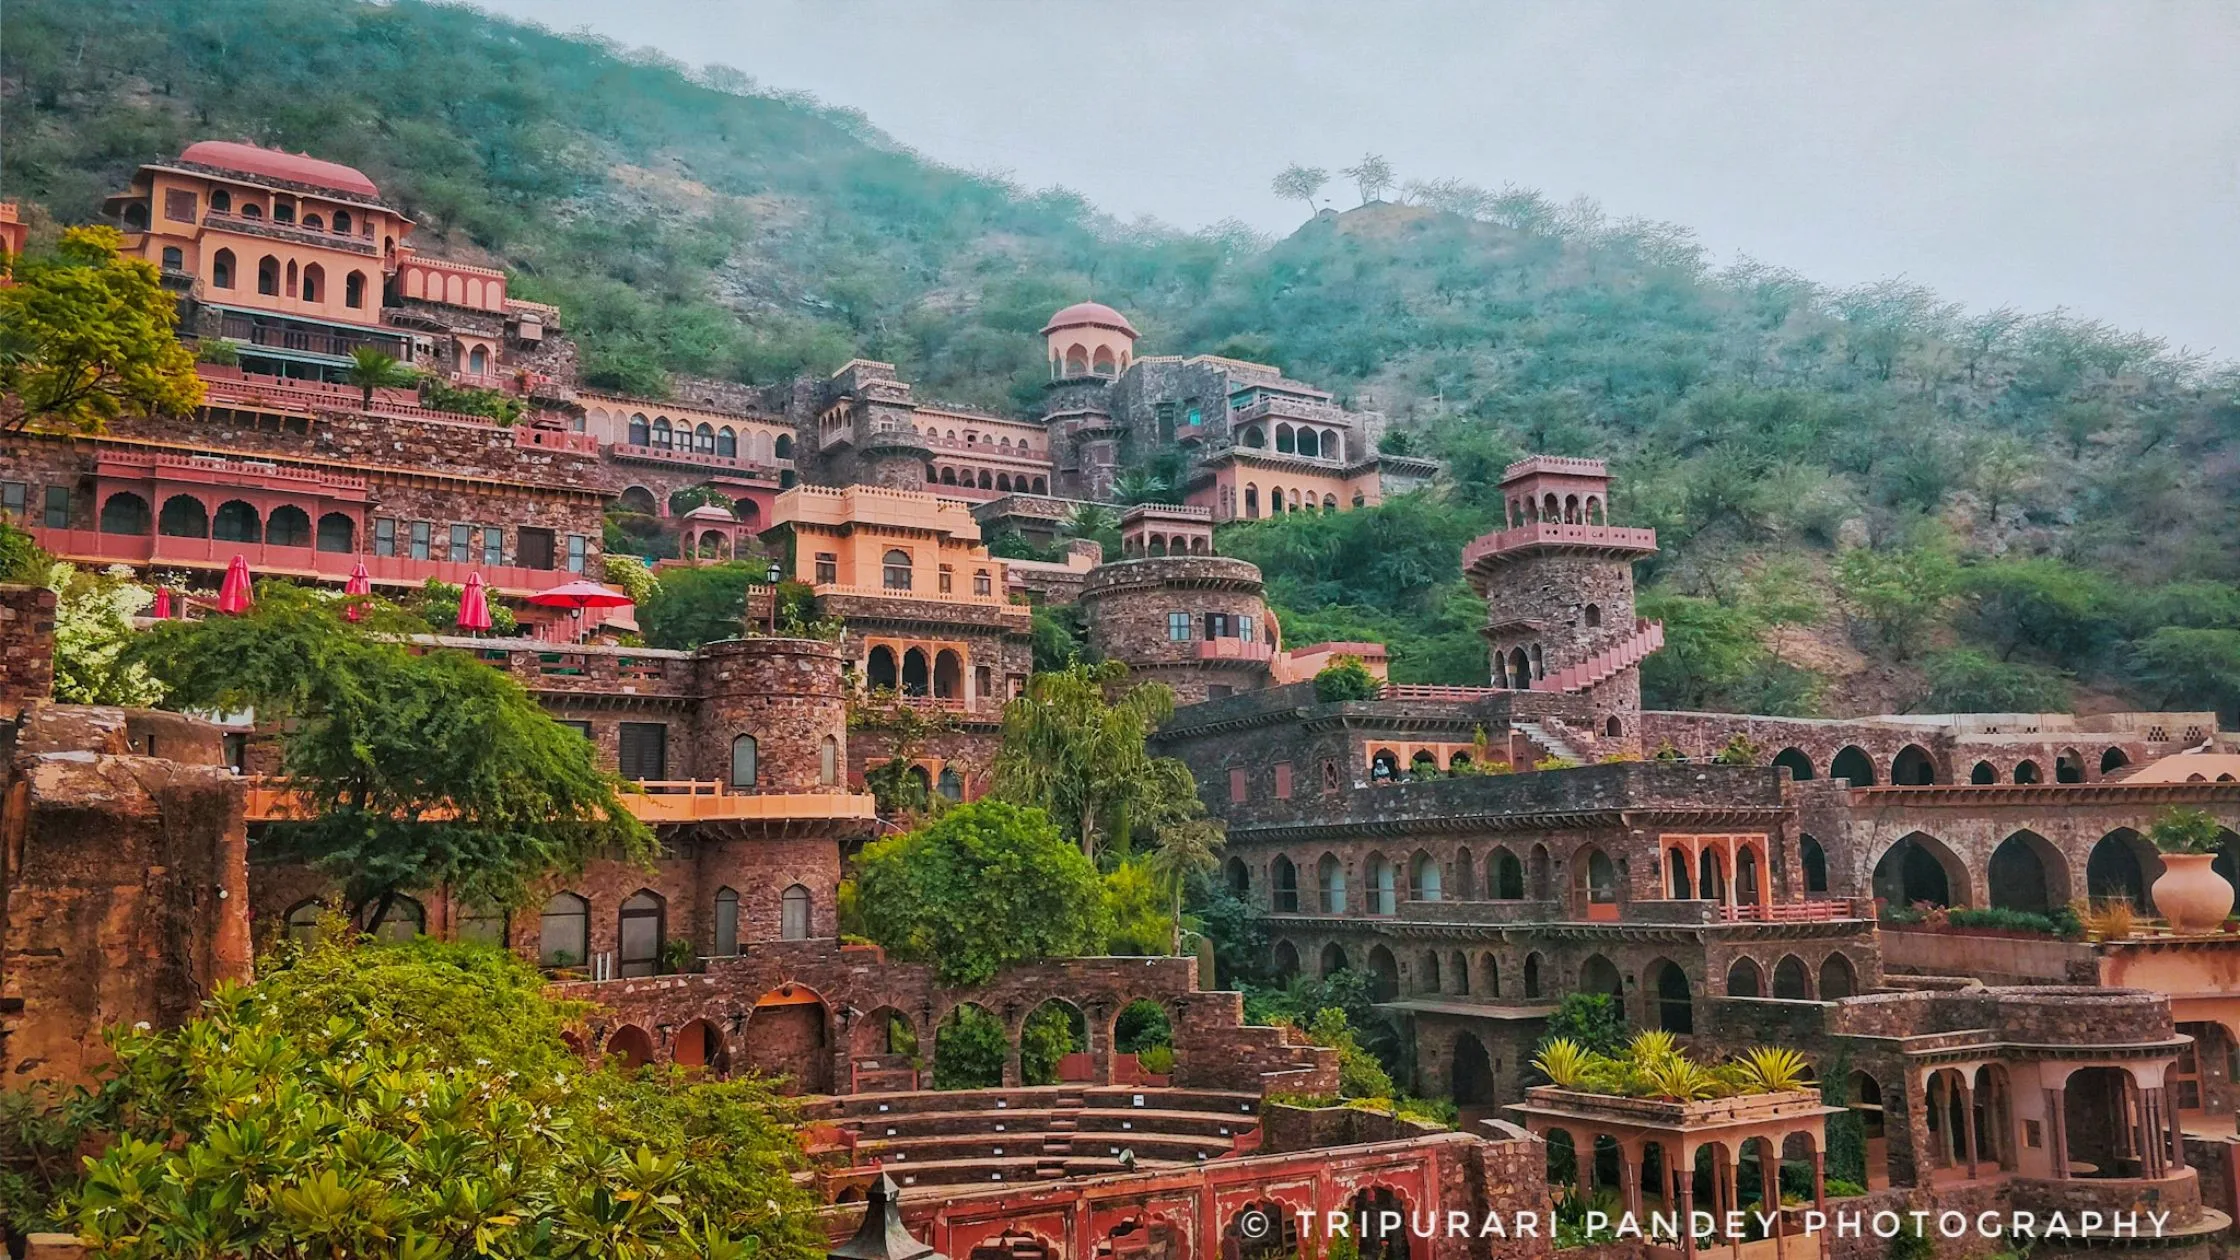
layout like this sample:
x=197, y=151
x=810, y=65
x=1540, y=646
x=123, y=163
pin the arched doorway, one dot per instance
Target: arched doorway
x=1853, y=763
x=1838, y=979
x=1384, y=974
x=1920, y=870
x=1675, y=1006
x=629, y=1048
x=699, y=1045
x=2122, y=866
x=1815, y=861
x=1790, y=979
x=1913, y=767
x=1795, y=762
x=1286, y=961
x=1333, y=959
x=1054, y=1044
x=1599, y=975
x=1745, y=979
x=786, y=1036
x=969, y=1049
x=2027, y=874
x=1471, y=1073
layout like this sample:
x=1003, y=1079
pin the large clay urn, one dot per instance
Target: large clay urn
x=2190, y=893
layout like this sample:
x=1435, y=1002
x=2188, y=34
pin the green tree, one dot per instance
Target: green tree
x=1346, y=679
x=1964, y=680
x=92, y=632
x=1901, y=595
x=86, y=337
x=372, y=369
x=2190, y=666
x=1592, y=1020
x=1075, y=749
x=2054, y=608
x=415, y=1100
x=1301, y=184
x=1182, y=850
x=697, y=605
x=985, y=885
x=417, y=770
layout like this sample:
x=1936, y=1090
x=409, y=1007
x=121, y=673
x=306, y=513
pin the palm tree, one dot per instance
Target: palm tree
x=1074, y=751
x=371, y=369
x=1184, y=849
x=1140, y=485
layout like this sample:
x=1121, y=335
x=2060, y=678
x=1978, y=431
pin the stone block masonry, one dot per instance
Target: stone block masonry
x=26, y=645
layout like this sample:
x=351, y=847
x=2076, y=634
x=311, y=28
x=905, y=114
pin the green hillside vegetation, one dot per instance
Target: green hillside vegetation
x=1867, y=498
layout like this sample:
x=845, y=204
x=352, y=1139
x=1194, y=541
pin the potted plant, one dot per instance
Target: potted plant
x=2189, y=893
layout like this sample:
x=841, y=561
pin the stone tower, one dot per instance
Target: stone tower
x=866, y=429
x=1558, y=583
x=1089, y=345
x=1176, y=613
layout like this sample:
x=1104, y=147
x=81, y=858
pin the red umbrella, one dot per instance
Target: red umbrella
x=234, y=596
x=360, y=583
x=162, y=610
x=579, y=595
x=474, y=610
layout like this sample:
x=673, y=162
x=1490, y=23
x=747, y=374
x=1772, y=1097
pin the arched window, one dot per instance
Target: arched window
x=1594, y=616
x=221, y=266
x=828, y=761
x=314, y=283
x=237, y=522
x=895, y=570
x=290, y=526
x=136, y=216
x=642, y=931
x=704, y=438
x=727, y=442
x=174, y=258
x=354, y=289
x=268, y=276
x=342, y=222
x=744, y=761
x=124, y=513
x=727, y=923
x=313, y=223
x=793, y=914
x=406, y=919
x=303, y=919
x=784, y=447
x=251, y=210
x=337, y=533
x=478, y=360
x=661, y=433
x=183, y=517
x=221, y=201
x=639, y=434
x=564, y=938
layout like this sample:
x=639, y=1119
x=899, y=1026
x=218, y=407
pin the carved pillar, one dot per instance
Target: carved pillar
x=2177, y=1133
x=2057, y=1125
x=1968, y=1123
x=1687, y=1211
x=1629, y=1176
x=1819, y=1179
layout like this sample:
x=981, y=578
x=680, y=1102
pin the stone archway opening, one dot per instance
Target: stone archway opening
x=2028, y=874
x=787, y=1035
x=2122, y=867
x=1054, y=1044
x=969, y=1049
x=630, y=1048
x=1471, y=1073
x=1920, y=870
x=699, y=1045
x=1913, y=767
x=1853, y=763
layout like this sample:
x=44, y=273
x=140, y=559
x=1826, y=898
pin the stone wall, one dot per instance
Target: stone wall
x=786, y=693
x=123, y=887
x=26, y=646
x=1126, y=605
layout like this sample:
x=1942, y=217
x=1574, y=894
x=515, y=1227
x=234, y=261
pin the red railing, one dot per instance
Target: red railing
x=264, y=559
x=1233, y=650
x=1620, y=537
x=1788, y=912
x=1647, y=637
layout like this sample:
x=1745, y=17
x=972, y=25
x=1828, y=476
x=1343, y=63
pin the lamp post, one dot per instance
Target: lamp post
x=775, y=573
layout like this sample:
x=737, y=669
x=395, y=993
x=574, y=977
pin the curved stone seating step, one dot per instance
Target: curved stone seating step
x=954, y=1172
x=1152, y=1120
x=1042, y=1097
x=911, y=1152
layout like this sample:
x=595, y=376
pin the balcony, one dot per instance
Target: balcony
x=87, y=546
x=1618, y=538
x=221, y=221
x=278, y=332
x=697, y=459
x=1234, y=650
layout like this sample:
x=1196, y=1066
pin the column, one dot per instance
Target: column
x=1687, y=1205
x=2177, y=1134
x=1583, y=1157
x=1726, y=873
x=1968, y=1122
x=1819, y=1178
x=2057, y=1126
x=1629, y=1176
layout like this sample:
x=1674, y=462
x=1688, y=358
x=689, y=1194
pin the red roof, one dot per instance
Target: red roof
x=1094, y=314
x=296, y=168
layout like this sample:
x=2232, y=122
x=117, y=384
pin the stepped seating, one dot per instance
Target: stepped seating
x=1045, y=1133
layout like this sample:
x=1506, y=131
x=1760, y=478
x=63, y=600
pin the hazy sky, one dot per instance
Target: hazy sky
x=2037, y=154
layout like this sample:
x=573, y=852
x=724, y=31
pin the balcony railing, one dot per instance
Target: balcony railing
x=165, y=551
x=308, y=340
x=296, y=233
x=1557, y=533
x=1233, y=650
x=660, y=801
x=697, y=459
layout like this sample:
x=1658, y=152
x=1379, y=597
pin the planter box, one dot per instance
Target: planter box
x=1665, y=1113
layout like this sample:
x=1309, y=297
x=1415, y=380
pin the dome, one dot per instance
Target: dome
x=296, y=168
x=711, y=512
x=1089, y=314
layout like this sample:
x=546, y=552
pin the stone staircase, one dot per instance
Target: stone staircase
x=1647, y=637
x=1549, y=743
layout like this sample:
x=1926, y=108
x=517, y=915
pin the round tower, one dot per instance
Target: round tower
x=1089, y=340
x=774, y=715
x=1558, y=583
x=1174, y=612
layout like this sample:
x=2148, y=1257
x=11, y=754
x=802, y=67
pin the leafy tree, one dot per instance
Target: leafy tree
x=1964, y=680
x=2189, y=666
x=1073, y=746
x=1142, y=925
x=1301, y=183
x=417, y=770
x=372, y=369
x=986, y=885
x=1901, y=595
x=86, y=337
x=92, y=631
x=1183, y=849
x=634, y=578
x=697, y=605
x=1591, y=1020
x=21, y=560
x=1346, y=679
x=436, y=604
x=2054, y=608
x=969, y=1049
x=414, y=1100
x=1372, y=175
x=1055, y=637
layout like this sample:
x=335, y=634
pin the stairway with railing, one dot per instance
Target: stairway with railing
x=1647, y=637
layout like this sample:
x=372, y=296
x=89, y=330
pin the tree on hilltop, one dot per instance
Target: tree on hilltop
x=86, y=337
x=1372, y=175
x=1301, y=183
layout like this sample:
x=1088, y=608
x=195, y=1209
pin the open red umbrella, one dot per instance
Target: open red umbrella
x=234, y=597
x=474, y=609
x=360, y=583
x=579, y=595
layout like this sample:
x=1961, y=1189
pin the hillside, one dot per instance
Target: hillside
x=1869, y=499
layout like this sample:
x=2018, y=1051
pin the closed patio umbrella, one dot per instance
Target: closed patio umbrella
x=474, y=607
x=235, y=597
x=360, y=584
